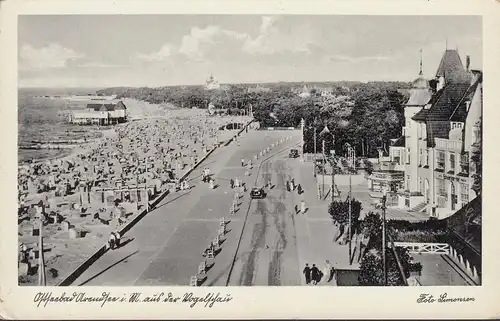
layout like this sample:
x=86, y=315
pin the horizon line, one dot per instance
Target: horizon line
x=201, y=85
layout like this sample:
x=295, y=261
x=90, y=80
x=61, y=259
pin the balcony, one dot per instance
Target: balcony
x=448, y=144
x=440, y=167
x=464, y=170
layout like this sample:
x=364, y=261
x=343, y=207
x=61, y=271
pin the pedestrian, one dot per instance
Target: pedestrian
x=118, y=239
x=288, y=186
x=242, y=162
x=307, y=273
x=303, y=206
x=299, y=189
x=113, y=240
x=314, y=274
x=231, y=183
x=327, y=271
x=293, y=184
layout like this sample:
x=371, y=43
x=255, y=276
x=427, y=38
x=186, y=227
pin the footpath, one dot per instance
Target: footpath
x=315, y=229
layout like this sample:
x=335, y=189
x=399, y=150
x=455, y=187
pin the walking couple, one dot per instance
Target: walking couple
x=314, y=275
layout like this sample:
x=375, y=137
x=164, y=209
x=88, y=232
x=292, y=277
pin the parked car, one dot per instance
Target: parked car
x=257, y=192
x=293, y=153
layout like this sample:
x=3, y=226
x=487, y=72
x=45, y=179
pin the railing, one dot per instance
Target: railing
x=426, y=248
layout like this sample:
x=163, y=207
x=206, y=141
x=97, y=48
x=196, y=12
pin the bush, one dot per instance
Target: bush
x=368, y=166
x=339, y=212
x=416, y=267
x=371, y=271
x=428, y=225
x=420, y=236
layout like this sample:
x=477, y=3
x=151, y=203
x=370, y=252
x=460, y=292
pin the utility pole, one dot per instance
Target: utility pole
x=315, y=151
x=384, y=263
x=349, y=161
x=41, y=260
x=302, y=125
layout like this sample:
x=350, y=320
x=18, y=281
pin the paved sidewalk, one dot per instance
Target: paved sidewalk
x=166, y=246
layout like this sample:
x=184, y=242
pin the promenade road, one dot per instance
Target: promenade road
x=268, y=251
x=166, y=246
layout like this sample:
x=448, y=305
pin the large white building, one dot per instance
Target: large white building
x=211, y=83
x=442, y=118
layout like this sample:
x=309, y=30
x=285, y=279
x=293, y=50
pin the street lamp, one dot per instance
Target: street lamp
x=350, y=153
x=324, y=132
x=384, y=263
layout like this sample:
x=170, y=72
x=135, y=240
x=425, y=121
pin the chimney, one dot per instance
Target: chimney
x=467, y=63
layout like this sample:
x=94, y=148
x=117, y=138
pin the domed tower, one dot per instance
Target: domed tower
x=415, y=131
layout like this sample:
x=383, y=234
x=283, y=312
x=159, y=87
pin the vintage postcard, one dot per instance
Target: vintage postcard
x=206, y=159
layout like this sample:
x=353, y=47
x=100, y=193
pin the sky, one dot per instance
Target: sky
x=165, y=50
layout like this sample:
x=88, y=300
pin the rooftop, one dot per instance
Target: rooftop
x=451, y=67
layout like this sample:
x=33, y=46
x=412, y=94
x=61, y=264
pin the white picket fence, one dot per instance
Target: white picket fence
x=428, y=248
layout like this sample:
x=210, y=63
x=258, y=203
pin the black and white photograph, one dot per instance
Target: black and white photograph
x=226, y=150
x=198, y=160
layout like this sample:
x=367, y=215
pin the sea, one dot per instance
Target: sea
x=43, y=118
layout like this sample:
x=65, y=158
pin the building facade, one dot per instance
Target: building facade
x=100, y=114
x=442, y=123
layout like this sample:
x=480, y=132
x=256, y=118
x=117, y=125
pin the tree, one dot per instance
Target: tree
x=371, y=226
x=368, y=166
x=339, y=212
x=371, y=268
x=371, y=271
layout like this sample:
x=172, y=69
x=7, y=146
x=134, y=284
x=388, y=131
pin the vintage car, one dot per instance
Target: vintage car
x=257, y=192
x=293, y=153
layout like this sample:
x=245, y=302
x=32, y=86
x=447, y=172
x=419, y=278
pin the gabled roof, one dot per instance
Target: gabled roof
x=460, y=112
x=437, y=129
x=451, y=67
x=444, y=103
x=106, y=107
x=120, y=106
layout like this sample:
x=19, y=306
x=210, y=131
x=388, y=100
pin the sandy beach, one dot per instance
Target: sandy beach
x=82, y=197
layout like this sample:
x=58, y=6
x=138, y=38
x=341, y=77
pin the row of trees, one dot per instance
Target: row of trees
x=371, y=271
x=366, y=115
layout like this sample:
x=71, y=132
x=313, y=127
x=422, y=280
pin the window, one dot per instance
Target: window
x=452, y=162
x=440, y=186
x=420, y=159
x=426, y=157
x=440, y=162
x=464, y=163
x=408, y=156
x=453, y=125
x=464, y=193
